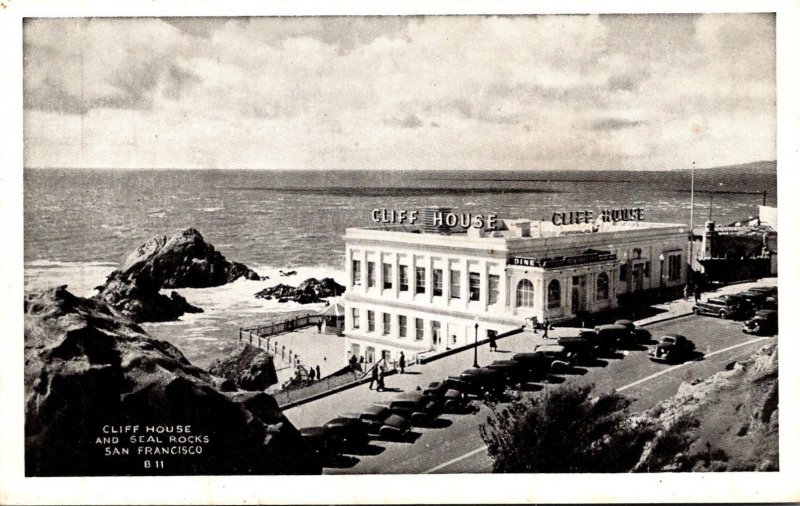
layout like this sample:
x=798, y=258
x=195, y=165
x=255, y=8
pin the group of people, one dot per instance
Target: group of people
x=314, y=374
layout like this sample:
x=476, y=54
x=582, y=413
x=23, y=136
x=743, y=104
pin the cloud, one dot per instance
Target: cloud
x=380, y=92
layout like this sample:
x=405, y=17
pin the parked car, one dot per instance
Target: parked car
x=763, y=323
x=380, y=421
x=482, y=381
x=415, y=407
x=512, y=371
x=672, y=348
x=604, y=342
x=755, y=298
x=615, y=335
x=532, y=365
x=724, y=308
x=452, y=399
x=579, y=348
x=318, y=442
x=769, y=291
x=556, y=356
x=347, y=432
x=745, y=304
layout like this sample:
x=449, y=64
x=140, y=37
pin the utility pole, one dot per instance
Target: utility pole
x=691, y=227
x=764, y=200
x=710, y=205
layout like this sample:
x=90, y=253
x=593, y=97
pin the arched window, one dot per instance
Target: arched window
x=602, y=286
x=554, y=294
x=525, y=293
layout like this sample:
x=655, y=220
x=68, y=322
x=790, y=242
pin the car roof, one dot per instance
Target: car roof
x=502, y=363
x=375, y=410
x=611, y=326
x=312, y=431
x=766, y=313
x=410, y=396
x=623, y=321
x=480, y=371
x=341, y=420
x=674, y=336
x=550, y=347
x=395, y=421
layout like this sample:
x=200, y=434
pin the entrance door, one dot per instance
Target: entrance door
x=370, y=354
x=638, y=277
x=578, y=289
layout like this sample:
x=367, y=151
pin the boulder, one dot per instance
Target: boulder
x=248, y=367
x=93, y=375
x=310, y=291
x=184, y=260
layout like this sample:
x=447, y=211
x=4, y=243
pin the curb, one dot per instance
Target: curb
x=665, y=319
x=453, y=351
x=340, y=388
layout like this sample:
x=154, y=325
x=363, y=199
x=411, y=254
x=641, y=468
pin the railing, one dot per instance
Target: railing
x=254, y=334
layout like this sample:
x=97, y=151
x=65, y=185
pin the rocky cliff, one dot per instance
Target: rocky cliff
x=104, y=398
x=728, y=422
x=184, y=260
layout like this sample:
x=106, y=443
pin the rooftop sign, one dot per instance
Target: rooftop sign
x=606, y=215
x=548, y=263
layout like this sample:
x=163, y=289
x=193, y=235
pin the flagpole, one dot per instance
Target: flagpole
x=691, y=227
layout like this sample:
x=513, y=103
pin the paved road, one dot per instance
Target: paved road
x=458, y=448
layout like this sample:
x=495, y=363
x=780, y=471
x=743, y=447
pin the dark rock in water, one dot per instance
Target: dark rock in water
x=310, y=291
x=184, y=260
x=322, y=288
x=288, y=273
x=249, y=367
x=90, y=372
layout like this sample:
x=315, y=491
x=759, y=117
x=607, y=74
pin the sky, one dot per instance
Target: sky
x=633, y=92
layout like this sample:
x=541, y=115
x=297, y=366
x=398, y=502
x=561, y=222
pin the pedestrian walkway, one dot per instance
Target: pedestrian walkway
x=354, y=400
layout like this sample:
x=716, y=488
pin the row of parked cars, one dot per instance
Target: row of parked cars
x=393, y=419
x=758, y=306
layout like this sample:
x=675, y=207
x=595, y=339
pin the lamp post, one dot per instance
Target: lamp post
x=475, y=364
x=661, y=276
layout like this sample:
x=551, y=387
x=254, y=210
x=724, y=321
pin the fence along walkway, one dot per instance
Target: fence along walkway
x=270, y=329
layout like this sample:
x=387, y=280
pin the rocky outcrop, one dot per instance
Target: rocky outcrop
x=309, y=291
x=104, y=398
x=184, y=260
x=728, y=422
x=248, y=367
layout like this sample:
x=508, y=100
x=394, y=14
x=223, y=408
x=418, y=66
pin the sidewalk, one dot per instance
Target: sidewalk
x=354, y=400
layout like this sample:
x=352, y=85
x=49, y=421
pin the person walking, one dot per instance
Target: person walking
x=374, y=378
x=697, y=293
x=311, y=374
x=492, y=342
x=546, y=326
x=319, y=374
x=319, y=327
x=381, y=386
x=686, y=292
x=402, y=363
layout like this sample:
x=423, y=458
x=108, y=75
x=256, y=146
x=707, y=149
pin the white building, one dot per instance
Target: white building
x=413, y=290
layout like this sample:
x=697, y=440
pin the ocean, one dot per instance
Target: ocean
x=80, y=223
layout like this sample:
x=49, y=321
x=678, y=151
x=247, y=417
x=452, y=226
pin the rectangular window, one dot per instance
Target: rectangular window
x=474, y=286
x=455, y=284
x=370, y=321
x=674, y=272
x=356, y=322
x=623, y=272
x=647, y=269
x=387, y=276
x=370, y=274
x=420, y=327
x=402, y=325
x=494, y=288
x=403, y=278
x=387, y=324
x=420, y=280
x=436, y=332
x=437, y=282
x=356, y=272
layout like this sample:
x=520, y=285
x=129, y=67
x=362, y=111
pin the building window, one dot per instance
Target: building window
x=623, y=272
x=436, y=332
x=602, y=286
x=356, y=322
x=403, y=278
x=387, y=276
x=387, y=324
x=437, y=282
x=525, y=293
x=402, y=325
x=474, y=286
x=420, y=327
x=370, y=321
x=554, y=294
x=356, y=272
x=455, y=284
x=370, y=274
x=647, y=269
x=420, y=282
x=494, y=288
x=674, y=268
